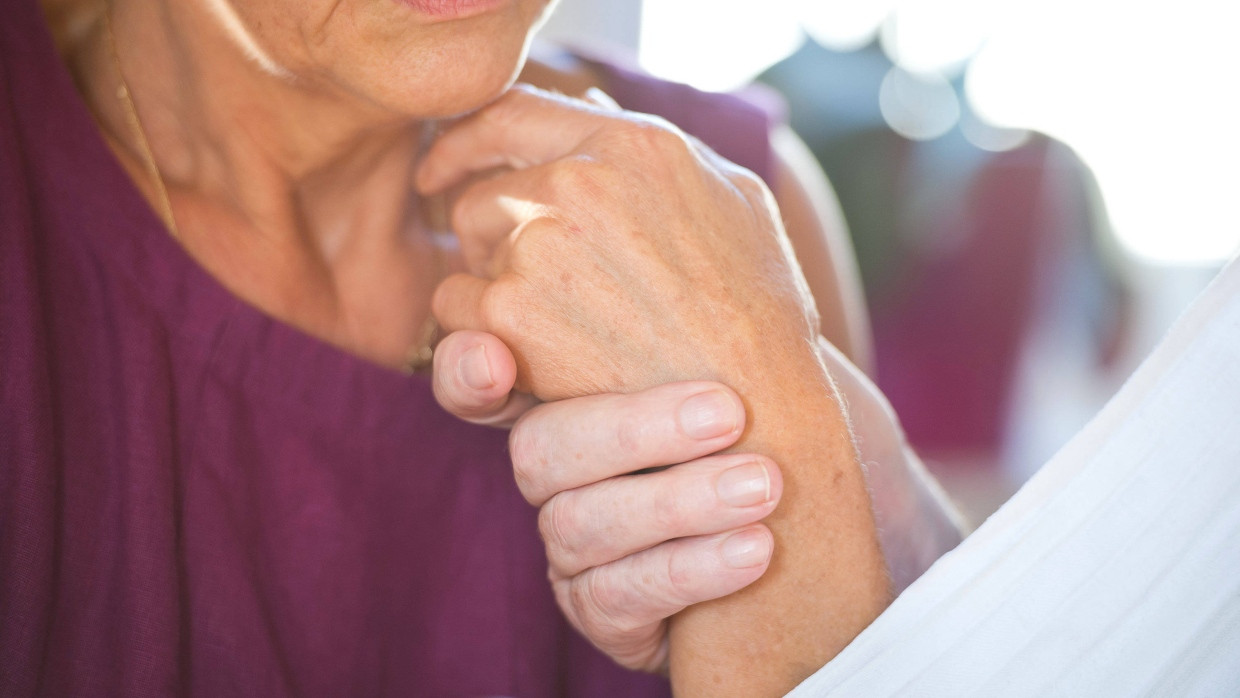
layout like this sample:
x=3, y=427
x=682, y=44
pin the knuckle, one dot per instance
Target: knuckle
x=499, y=307
x=527, y=449
x=460, y=215
x=655, y=147
x=632, y=433
x=557, y=522
x=596, y=602
x=536, y=242
x=571, y=178
x=681, y=580
x=441, y=301
x=671, y=513
x=583, y=596
x=655, y=136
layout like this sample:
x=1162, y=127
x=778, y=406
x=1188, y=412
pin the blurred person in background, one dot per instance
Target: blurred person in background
x=972, y=260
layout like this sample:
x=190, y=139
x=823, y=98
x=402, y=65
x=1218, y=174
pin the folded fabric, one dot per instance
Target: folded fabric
x=1115, y=571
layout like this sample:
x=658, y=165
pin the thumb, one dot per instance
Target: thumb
x=473, y=376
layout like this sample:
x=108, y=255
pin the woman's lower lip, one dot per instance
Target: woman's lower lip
x=452, y=9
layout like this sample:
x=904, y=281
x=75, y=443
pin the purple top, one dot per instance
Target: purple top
x=198, y=499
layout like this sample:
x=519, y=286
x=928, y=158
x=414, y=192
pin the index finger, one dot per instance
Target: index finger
x=563, y=445
x=524, y=127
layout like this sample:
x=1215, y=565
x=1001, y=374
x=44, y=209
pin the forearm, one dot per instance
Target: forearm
x=919, y=524
x=916, y=521
x=643, y=259
x=827, y=580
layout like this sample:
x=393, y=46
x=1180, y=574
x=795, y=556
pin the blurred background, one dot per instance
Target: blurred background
x=1035, y=190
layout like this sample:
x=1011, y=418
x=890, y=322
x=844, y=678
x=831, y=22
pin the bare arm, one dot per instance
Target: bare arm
x=618, y=256
x=819, y=236
x=917, y=523
x=826, y=581
x=794, y=592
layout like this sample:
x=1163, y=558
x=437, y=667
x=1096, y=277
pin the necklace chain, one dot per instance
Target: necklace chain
x=139, y=133
x=420, y=355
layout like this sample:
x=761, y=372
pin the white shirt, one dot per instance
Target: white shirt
x=1115, y=571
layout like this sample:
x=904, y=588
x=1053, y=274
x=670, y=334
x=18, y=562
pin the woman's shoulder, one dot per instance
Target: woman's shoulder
x=736, y=125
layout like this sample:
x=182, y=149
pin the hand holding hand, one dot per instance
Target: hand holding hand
x=618, y=255
x=663, y=543
x=626, y=551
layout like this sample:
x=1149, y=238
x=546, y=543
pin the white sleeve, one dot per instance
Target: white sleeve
x=1114, y=572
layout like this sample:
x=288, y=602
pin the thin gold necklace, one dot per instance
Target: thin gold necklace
x=139, y=134
x=420, y=355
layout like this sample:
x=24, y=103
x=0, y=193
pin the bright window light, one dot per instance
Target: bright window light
x=1146, y=95
x=844, y=25
x=716, y=45
x=1144, y=92
x=938, y=36
x=918, y=107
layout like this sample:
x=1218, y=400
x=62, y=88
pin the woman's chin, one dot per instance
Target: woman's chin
x=452, y=88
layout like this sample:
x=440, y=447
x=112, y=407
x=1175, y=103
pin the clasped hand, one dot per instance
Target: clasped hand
x=612, y=255
x=615, y=261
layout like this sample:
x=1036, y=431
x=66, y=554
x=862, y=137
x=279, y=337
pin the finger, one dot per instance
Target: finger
x=524, y=127
x=488, y=214
x=458, y=303
x=473, y=377
x=620, y=606
x=563, y=445
x=597, y=524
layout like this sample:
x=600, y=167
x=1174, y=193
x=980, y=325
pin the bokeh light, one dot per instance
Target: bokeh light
x=939, y=36
x=844, y=25
x=1144, y=92
x=918, y=107
x=713, y=45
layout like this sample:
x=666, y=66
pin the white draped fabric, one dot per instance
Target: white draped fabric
x=1115, y=571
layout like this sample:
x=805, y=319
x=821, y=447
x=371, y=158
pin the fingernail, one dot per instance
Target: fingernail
x=707, y=415
x=748, y=548
x=474, y=369
x=744, y=485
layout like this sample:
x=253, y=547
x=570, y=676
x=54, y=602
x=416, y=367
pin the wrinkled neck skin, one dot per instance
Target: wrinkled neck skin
x=292, y=191
x=293, y=154
x=290, y=187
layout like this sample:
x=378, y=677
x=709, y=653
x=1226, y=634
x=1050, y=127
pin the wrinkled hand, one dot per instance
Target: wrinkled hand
x=622, y=603
x=600, y=259
x=626, y=552
x=615, y=253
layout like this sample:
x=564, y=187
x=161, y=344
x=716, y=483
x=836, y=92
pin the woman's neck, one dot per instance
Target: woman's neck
x=294, y=194
x=291, y=190
x=286, y=151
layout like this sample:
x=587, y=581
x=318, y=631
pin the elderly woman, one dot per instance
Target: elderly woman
x=220, y=232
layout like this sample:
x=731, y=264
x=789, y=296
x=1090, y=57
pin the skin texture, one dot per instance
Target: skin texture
x=291, y=185
x=715, y=288
x=917, y=524
x=815, y=226
x=288, y=150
